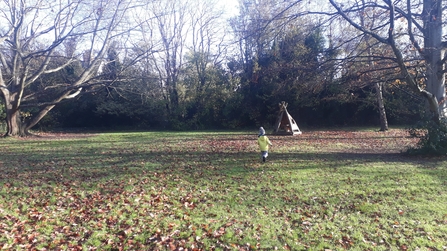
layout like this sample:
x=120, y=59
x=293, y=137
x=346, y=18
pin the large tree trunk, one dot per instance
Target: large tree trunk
x=433, y=55
x=15, y=126
x=380, y=103
x=14, y=123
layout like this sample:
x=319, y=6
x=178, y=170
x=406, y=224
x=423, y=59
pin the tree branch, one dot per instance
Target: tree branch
x=410, y=29
x=357, y=26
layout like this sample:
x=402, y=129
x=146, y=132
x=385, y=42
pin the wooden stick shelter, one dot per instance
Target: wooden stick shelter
x=285, y=124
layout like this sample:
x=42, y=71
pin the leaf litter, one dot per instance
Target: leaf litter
x=149, y=191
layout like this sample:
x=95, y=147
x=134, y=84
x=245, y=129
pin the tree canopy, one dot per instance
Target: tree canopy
x=182, y=65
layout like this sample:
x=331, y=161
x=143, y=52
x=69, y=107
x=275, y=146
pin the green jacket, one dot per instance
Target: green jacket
x=264, y=143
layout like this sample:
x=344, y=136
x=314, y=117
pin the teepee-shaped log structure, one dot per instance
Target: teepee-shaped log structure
x=285, y=124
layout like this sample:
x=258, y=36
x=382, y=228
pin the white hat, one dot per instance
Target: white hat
x=261, y=131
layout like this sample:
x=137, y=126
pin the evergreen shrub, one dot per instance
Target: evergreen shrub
x=432, y=138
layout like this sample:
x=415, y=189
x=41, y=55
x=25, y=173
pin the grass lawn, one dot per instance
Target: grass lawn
x=322, y=190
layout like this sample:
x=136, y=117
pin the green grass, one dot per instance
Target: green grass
x=209, y=191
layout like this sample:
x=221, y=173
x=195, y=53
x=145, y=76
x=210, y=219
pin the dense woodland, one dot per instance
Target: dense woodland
x=190, y=65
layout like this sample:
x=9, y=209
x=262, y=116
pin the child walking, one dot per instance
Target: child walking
x=263, y=142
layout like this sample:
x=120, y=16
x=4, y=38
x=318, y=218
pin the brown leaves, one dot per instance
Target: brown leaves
x=218, y=233
x=392, y=141
x=210, y=192
x=35, y=215
x=346, y=242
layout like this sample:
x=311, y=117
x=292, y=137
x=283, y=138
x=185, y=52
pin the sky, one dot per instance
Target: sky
x=230, y=7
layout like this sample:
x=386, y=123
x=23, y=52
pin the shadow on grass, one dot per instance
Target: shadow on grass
x=87, y=162
x=231, y=153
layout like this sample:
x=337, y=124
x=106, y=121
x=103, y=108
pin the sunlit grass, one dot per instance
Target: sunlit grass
x=209, y=191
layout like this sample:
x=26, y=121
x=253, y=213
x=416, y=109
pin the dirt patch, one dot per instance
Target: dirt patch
x=341, y=141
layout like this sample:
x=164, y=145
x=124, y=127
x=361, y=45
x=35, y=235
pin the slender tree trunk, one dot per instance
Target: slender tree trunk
x=382, y=111
x=377, y=86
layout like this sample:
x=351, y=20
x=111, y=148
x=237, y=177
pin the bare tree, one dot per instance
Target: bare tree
x=41, y=38
x=168, y=36
x=207, y=50
x=414, y=31
x=378, y=85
